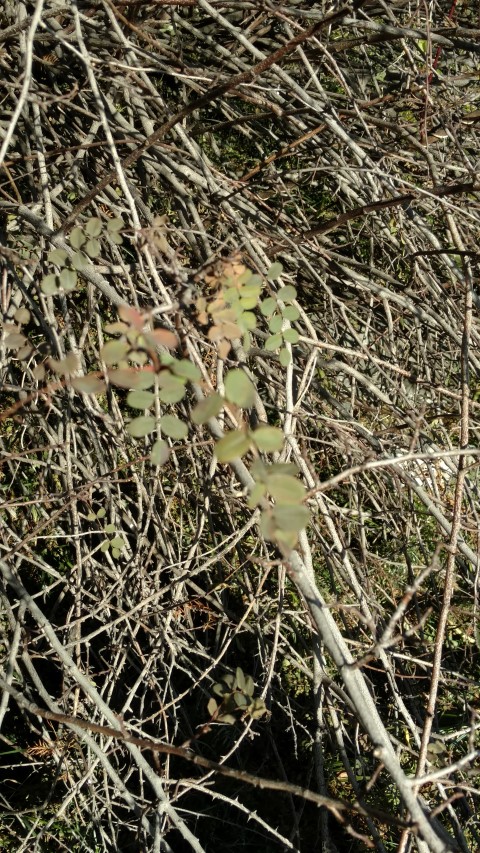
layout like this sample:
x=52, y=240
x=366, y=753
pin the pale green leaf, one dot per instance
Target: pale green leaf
x=172, y=394
x=93, y=227
x=232, y=446
x=275, y=323
x=79, y=261
x=212, y=707
x=115, y=225
x=285, y=489
x=105, y=546
x=140, y=399
x=291, y=336
x=268, y=306
x=240, y=678
x=130, y=377
x=286, y=294
x=186, y=369
x=285, y=357
x=173, y=427
x=239, y=389
x=256, y=495
x=57, y=257
x=77, y=238
x=49, y=284
x=68, y=279
x=273, y=342
x=117, y=542
x=110, y=528
x=114, y=351
x=141, y=426
x=268, y=439
x=291, y=518
x=92, y=248
x=160, y=452
x=291, y=313
x=275, y=271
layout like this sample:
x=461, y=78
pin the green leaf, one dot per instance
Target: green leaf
x=256, y=495
x=249, y=685
x=89, y=384
x=68, y=279
x=286, y=294
x=240, y=678
x=114, y=351
x=291, y=518
x=101, y=512
x=93, y=227
x=160, y=452
x=77, y=238
x=57, y=257
x=208, y=408
x=227, y=718
x=115, y=225
x=291, y=313
x=140, y=399
x=273, y=342
x=240, y=700
x=92, y=248
x=173, y=427
x=248, y=302
x=141, y=426
x=219, y=689
x=239, y=389
x=117, y=542
x=212, y=707
x=232, y=446
x=49, y=284
x=276, y=323
x=79, y=261
x=285, y=489
x=186, y=369
x=291, y=336
x=172, y=393
x=268, y=306
x=268, y=439
x=116, y=553
x=105, y=546
x=275, y=271
x=247, y=321
x=110, y=528
x=285, y=357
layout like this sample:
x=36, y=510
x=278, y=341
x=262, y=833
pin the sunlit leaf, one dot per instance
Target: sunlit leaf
x=172, y=388
x=89, y=384
x=140, y=399
x=49, y=284
x=77, y=238
x=160, y=452
x=212, y=707
x=93, y=227
x=268, y=439
x=291, y=313
x=105, y=546
x=79, y=261
x=117, y=542
x=208, y=408
x=273, y=342
x=285, y=489
x=173, y=427
x=233, y=445
x=291, y=336
x=110, y=528
x=186, y=369
x=286, y=294
x=115, y=225
x=92, y=248
x=239, y=389
x=68, y=279
x=276, y=323
x=268, y=306
x=275, y=271
x=114, y=351
x=141, y=426
x=57, y=257
x=256, y=495
x=285, y=357
x=291, y=518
